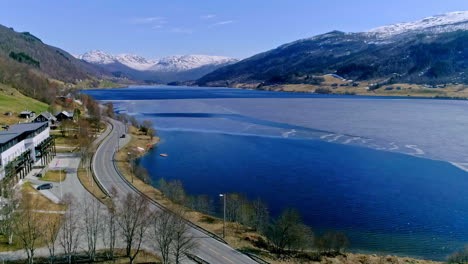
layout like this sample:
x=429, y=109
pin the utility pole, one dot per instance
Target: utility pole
x=224, y=213
x=60, y=183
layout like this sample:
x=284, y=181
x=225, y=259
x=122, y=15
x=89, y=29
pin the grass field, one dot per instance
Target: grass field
x=13, y=101
x=54, y=176
x=40, y=203
x=91, y=186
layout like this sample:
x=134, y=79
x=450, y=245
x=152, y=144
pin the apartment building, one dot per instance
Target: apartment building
x=21, y=146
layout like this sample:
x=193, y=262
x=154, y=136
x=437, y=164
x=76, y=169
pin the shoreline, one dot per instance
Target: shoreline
x=152, y=191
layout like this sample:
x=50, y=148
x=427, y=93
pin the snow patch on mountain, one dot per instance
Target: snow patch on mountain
x=134, y=61
x=436, y=24
x=167, y=64
x=188, y=62
x=98, y=57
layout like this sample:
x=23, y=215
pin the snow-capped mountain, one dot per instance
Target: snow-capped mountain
x=189, y=62
x=435, y=24
x=168, y=69
x=167, y=64
x=428, y=51
x=133, y=61
x=97, y=57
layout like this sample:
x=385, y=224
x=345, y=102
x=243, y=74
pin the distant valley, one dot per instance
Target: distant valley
x=164, y=70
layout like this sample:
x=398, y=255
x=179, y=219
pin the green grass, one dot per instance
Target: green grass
x=13, y=101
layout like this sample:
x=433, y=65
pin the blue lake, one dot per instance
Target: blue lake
x=387, y=171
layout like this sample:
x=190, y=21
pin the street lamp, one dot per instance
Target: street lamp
x=224, y=214
x=130, y=162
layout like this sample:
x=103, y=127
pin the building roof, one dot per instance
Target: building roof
x=69, y=114
x=18, y=129
x=5, y=137
x=47, y=115
x=26, y=112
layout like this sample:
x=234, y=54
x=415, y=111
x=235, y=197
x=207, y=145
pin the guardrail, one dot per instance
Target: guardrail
x=96, y=179
x=256, y=258
x=210, y=234
x=196, y=259
x=160, y=206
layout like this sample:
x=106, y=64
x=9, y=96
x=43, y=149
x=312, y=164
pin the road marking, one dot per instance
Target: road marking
x=227, y=259
x=219, y=254
x=212, y=250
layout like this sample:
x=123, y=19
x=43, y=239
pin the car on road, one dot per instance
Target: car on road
x=45, y=186
x=122, y=136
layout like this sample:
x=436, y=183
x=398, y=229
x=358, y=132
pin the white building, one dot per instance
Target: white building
x=21, y=145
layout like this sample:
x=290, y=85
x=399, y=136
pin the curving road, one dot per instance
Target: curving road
x=209, y=249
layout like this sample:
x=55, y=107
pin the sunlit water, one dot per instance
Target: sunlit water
x=387, y=171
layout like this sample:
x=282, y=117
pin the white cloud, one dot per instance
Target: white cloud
x=149, y=20
x=220, y=23
x=209, y=16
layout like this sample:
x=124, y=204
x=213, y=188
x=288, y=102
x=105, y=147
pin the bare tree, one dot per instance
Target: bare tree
x=110, y=110
x=27, y=225
x=8, y=215
x=234, y=203
x=85, y=143
x=70, y=228
x=151, y=133
x=261, y=215
x=109, y=227
x=134, y=122
x=288, y=232
x=183, y=239
x=333, y=242
x=134, y=217
x=92, y=213
x=146, y=126
x=163, y=229
x=51, y=236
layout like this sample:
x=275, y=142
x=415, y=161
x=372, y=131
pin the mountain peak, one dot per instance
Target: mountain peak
x=97, y=57
x=167, y=64
x=188, y=62
x=440, y=23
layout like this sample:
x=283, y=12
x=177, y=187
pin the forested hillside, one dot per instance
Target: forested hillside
x=39, y=70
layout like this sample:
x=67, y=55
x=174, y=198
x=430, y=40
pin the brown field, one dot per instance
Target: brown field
x=40, y=203
x=54, y=176
x=91, y=186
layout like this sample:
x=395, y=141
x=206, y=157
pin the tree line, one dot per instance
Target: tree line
x=128, y=223
x=285, y=234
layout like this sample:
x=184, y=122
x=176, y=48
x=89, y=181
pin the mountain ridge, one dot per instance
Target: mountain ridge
x=39, y=70
x=431, y=50
x=167, y=69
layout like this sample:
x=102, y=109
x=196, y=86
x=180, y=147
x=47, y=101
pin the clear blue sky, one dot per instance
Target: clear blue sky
x=236, y=28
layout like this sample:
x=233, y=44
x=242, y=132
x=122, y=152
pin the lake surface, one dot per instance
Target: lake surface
x=387, y=171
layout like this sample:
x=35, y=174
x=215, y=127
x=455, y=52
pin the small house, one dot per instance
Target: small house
x=27, y=114
x=63, y=115
x=45, y=117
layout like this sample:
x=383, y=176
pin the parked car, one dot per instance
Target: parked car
x=45, y=186
x=122, y=136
